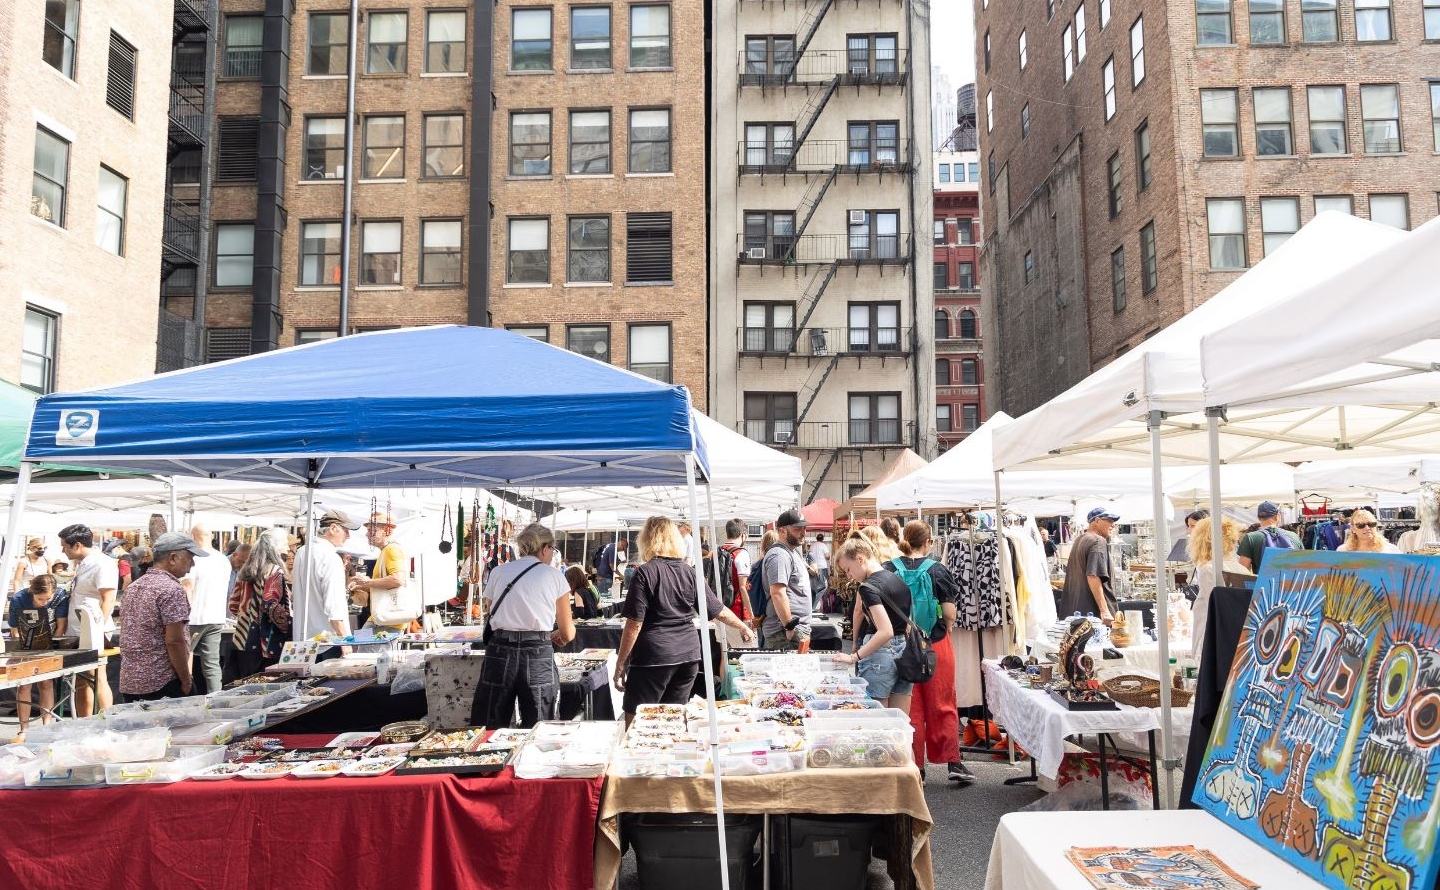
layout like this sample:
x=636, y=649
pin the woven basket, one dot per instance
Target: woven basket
x=1142, y=692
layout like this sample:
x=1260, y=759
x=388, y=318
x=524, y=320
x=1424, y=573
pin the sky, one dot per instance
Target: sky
x=952, y=39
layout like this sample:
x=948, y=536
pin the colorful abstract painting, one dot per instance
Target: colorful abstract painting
x=1178, y=868
x=1326, y=749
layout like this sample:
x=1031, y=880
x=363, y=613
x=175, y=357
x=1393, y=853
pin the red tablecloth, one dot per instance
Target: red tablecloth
x=433, y=831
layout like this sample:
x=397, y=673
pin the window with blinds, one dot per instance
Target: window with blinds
x=120, y=88
x=239, y=146
x=648, y=249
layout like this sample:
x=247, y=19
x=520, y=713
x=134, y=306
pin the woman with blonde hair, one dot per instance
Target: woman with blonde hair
x=660, y=654
x=884, y=546
x=882, y=613
x=1202, y=553
x=1364, y=535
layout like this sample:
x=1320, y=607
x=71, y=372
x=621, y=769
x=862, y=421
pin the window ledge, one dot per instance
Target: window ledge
x=383, y=74
x=526, y=285
x=589, y=175
x=1385, y=154
x=650, y=284
x=1290, y=157
x=319, y=181
x=434, y=285
x=1254, y=45
x=374, y=287
x=442, y=179
x=1345, y=156
x=387, y=180
x=317, y=287
x=46, y=224
x=548, y=72
x=224, y=289
x=589, y=70
x=445, y=74
x=322, y=76
x=1222, y=158
x=1391, y=42
x=1217, y=46
x=648, y=69
x=236, y=79
x=542, y=177
x=588, y=284
x=650, y=175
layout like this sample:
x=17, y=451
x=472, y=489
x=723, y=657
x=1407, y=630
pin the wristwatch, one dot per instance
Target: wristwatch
x=792, y=624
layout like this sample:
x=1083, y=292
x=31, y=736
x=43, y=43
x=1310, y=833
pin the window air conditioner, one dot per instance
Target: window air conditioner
x=783, y=437
x=859, y=70
x=755, y=253
x=858, y=217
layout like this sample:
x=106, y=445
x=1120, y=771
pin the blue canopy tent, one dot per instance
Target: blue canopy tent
x=459, y=406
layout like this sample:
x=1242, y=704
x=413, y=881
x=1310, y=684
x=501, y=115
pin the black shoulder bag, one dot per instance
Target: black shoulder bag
x=489, y=631
x=916, y=664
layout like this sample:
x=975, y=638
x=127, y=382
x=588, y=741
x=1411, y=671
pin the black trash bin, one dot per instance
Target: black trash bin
x=681, y=850
x=822, y=851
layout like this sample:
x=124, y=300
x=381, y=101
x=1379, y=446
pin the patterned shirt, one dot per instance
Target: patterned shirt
x=153, y=601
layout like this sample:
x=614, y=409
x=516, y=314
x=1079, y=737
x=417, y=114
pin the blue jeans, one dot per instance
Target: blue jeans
x=511, y=672
x=879, y=669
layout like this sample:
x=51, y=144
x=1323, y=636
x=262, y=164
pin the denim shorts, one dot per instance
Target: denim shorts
x=879, y=670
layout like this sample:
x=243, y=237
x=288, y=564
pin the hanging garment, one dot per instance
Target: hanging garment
x=974, y=560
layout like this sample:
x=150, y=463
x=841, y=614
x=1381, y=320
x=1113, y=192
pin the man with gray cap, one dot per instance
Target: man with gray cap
x=154, y=639
x=786, y=576
x=319, y=599
x=1269, y=536
x=1088, y=587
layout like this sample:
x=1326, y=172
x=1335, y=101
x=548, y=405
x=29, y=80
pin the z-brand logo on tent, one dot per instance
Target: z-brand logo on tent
x=77, y=427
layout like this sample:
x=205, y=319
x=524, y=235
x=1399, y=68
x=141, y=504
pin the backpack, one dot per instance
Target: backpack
x=759, y=593
x=731, y=568
x=1275, y=540
x=916, y=663
x=598, y=555
x=724, y=586
x=924, y=608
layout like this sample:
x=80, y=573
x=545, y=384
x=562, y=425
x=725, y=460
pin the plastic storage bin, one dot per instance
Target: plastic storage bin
x=110, y=747
x=211, y=732
x=47, y=774
x=822, y=851
x=253, y=695
x=682, y=850
x=244, y=720
x=856, y=739
x=165, y=712
x=182, y=762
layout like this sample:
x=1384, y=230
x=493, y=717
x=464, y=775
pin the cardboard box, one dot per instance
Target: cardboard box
x=19, y=667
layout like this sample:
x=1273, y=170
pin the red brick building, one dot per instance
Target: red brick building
x=959, y=358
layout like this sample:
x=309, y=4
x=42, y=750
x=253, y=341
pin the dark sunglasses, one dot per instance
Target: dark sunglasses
x=1366, y=524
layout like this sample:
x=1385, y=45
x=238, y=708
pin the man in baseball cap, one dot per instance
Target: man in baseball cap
x=787, y=578
x=338, y=517
x=154, y=615
x=1269, y=535
x=1088, y=588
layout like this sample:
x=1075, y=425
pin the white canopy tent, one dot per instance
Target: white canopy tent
x=1385, y=476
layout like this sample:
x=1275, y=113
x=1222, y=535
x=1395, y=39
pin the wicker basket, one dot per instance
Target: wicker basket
x=1142, y=692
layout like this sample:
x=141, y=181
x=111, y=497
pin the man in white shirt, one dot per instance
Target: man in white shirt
x=208, y=587
x=97, y=577
x=320, y=601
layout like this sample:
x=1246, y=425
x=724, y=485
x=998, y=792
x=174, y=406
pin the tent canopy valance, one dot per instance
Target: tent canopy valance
x=437, y=406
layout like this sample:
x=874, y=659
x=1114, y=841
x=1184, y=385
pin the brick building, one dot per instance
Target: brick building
x=1139, y=157
x=959, y=356
x=83, y=124
x=820, y=185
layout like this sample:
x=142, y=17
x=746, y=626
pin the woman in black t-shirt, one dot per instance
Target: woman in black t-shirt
x=882, y=632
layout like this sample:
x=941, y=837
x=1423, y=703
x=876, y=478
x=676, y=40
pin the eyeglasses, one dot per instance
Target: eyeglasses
x=1365, y=524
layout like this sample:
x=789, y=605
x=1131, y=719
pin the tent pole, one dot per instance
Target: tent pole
x=1217, y=532
x=304, y=570
x=12, y=525
x=174, y=505
x=708, y=668
x=585, y=546
x=1162, y=612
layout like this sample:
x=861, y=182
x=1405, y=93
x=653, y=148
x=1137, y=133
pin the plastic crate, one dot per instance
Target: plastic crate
x=682, y=850
x=182, y=762
x=165, y=712
x=823, y=851
x=859, y=739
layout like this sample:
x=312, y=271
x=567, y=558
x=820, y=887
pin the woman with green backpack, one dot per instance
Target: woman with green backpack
x=933, y=593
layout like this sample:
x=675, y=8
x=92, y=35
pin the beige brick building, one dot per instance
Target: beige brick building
x=83, y=122
x=1138, y=157
x=821, y=329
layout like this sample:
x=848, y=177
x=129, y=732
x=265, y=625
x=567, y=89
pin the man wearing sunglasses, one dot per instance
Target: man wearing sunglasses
x=1269, y=536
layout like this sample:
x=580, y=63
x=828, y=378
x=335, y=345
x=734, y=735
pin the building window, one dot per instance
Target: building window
x=239, y=141
x=62, y=29
x=530, y=46
x=1267, y=22
x=1226, y=219
x=440, y=253
x=384, y=147
x=1279, y=219
x=386, y=33
x=37, y=350
x=1273, y=135
x=1340, y=203
x=987, y=49
x=1149, y=261
x=942, y=321
x=1112, y=167
x=539, y=332
x=874, y=234
x=769, y=327
x=1327, y=121
x=769, y=146
x=590, y=37
x=1107, y=81
x=964, y=229
x=314, y=336
x=945, y=172
x=329, y=43
x=444, y=146
x=969, y=325
x=1067, y=51
x=120, y=83
x=110, y=211
x=52, y=177
x=1218, y=123
x=1142, y=156
x=1372, y=21
x=1025, y=120
x=875, y=418
x=1392, y=210
x=942, y=275
x=648, y=248
x=989, y=111
x=244, y=36
x=380, y=252
x=1435, y=114
x=529, y=143
x=769, y=234
x=592, y=340
x=235, y=254
x=1380, y=116
x=445, y=42
x=769, y=59
x=974, y=175
x=529, y=260
x=967, y=277
x=969, y=417
x=1319, y=21
x=1117, y=279
x=1137, y=52
x=770, y=417
x=319, y=254
x=969, y=372
x=1024, y=54
x=588, y=259
x=942, y=418
x=874, y=327
x=1104, y=13
x=869, y=55
x=942, y=372
x=589, y=142
x=650, y=36
x=1432, y=19
x=1029, y=265
x=1080, y=33
x=185, y=167
x=990, y=171
x=649, y=351
x=873, y=143
x=650, y=140
x=324, y=147
x=1212, y=23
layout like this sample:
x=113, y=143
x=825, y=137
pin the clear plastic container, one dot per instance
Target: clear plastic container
x=165, y=712
x=630, y=763
x=47, y=774
x=253, y=695
x=245, y=720
x=37, y=738
x=854, y=739
x=758, y=760
x=180, y=764
x=110, y=747
x=840, y=705
x=211, y=732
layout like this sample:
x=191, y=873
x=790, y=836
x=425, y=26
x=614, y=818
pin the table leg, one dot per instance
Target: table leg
x=765, y=851
x=1033, y=777
x=1104, y=773
x=1154, y=772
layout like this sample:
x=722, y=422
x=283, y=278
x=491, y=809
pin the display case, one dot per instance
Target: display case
x=181, y=762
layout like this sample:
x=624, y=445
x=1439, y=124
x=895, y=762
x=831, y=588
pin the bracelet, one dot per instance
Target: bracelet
x=793, y=623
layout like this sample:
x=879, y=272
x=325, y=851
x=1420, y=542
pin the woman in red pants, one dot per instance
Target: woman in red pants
x=933, y=711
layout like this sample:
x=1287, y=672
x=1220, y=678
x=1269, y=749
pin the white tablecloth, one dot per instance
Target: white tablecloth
x=1039, y=724
x=1029, y=849
x=1142, y=656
